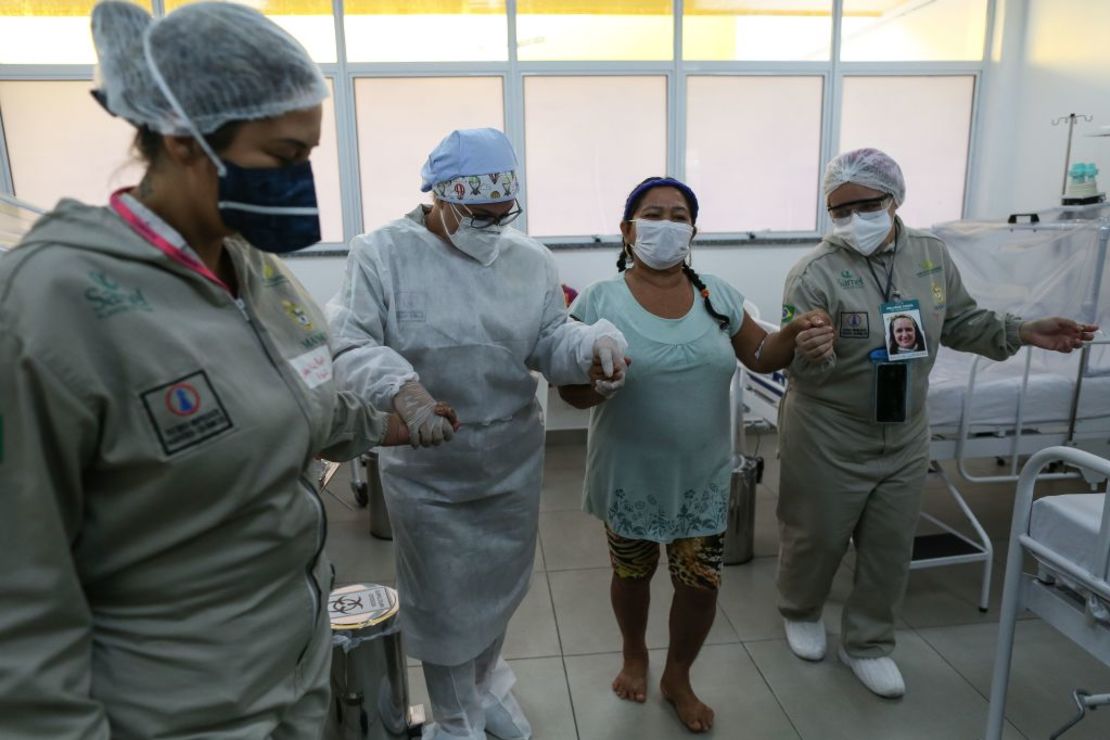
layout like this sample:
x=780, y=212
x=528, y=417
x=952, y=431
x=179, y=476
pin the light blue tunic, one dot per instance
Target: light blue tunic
x=659, y=456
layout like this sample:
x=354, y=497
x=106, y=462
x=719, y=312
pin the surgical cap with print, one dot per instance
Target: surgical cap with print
x=223, y=62
x=475, y=165
x=868, y=167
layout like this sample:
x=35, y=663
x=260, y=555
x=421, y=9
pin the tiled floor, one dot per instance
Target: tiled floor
x=564, y=644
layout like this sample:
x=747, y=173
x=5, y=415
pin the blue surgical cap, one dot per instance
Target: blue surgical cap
x=472, y=153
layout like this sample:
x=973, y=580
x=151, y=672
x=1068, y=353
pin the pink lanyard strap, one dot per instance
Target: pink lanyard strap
x=149, y=231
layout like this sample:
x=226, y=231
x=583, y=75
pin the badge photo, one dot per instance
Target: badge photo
x=905, y=339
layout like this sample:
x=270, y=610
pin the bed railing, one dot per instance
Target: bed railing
x=1021, y=541
x=966, y=420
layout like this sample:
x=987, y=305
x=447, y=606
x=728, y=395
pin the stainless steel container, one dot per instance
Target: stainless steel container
x=740, y=529
x=380, y=525
x=369, y=679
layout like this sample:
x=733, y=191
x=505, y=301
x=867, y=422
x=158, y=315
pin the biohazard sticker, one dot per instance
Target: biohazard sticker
x=358, y=606
x=186, y=412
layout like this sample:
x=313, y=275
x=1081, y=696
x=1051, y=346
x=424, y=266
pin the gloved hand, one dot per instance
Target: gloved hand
x=609, y=359
x=429, y=423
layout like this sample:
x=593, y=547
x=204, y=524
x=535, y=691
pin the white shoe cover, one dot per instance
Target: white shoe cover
x=880, y=675
x=806, y=639
x=506, y=720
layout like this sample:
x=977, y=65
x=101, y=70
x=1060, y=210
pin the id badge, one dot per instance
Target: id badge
x=891, y=388
x=905, y=339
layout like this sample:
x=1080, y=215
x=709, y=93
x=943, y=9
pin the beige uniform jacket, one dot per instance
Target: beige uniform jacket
x=851, y=288
x=161, y=538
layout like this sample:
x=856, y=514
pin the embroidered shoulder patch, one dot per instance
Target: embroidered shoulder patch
x=854, y=325
x=186, y=412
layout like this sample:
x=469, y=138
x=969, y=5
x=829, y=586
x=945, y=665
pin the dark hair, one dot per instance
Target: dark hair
x=633, y=202
x=918, y=337
x=148, y=142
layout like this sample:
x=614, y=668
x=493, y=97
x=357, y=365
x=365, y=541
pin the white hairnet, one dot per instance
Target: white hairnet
x=868, y=167
x=221, y=61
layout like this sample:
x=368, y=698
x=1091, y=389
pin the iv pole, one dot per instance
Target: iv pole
x=1071, y=118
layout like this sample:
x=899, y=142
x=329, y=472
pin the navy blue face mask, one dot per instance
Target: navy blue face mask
x=274, y=208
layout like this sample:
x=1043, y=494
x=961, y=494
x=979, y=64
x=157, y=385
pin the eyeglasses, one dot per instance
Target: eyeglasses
x=487, y=220
x=842, y=213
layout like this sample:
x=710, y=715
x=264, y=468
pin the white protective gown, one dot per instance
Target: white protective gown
x=464, y=514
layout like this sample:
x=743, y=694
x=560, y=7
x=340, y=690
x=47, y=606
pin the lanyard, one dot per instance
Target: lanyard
x=889, y=274
x=161, y=236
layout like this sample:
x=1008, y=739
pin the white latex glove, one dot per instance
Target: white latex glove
x=610, y=354
x=418, y=410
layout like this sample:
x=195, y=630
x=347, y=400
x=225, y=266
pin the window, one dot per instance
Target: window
x=400, y=121
x=590, y=90
x=753, y=148
x=757, y=30
x=50, y=160
x=47, y=31
x=426, y=30
x=309, y=21
x=325, y=170
x=589, y=140
x=565, y=30
x=901, y=31
x=887, y=113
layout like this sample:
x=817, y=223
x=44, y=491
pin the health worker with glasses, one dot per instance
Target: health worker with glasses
x=452, y=303
x=165, y=387
x=853, y=432
x=659, y=460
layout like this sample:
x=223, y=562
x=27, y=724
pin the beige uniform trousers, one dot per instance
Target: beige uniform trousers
x=848, y=480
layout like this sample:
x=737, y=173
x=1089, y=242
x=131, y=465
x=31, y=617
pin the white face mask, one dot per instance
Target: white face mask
x=662, y=244
x=481, y=244
x=865, y=231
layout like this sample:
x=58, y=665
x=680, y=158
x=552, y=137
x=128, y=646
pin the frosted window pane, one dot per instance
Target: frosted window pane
x=589, y=140
x=47, y=31
x=426, y=30
x=913, y=31
x=753, y=148
x=62, y=144
x=757, y=30
x=325, y=169
x=562, y=30
x=924, y=123
x=400, y=120
x=309, y=21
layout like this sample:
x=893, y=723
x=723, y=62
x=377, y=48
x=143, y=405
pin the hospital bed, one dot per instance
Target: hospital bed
x=1069, y=537
x=16, y=219
x=983, y=409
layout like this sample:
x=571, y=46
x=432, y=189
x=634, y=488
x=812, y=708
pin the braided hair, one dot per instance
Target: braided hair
x=633, y=202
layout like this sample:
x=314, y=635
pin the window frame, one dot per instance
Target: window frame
x=343, y=75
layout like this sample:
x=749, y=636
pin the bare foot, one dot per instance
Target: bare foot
x=631, y=683
x=691, y=712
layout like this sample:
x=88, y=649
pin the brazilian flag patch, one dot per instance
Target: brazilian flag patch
x=788, y=313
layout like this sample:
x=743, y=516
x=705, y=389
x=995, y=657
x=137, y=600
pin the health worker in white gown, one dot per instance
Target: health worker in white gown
x=449, y=303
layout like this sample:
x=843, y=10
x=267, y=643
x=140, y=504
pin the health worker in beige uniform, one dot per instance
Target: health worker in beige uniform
x=854, y=437
x=165, y=387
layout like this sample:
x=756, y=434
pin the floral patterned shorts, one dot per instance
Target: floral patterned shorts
x=693, y=561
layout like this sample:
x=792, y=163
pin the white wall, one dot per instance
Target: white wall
x=756, y=271
x=1052, y=59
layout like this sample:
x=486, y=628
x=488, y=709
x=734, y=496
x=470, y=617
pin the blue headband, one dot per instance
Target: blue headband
x=660, y=182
